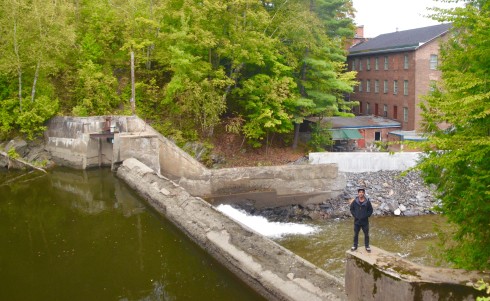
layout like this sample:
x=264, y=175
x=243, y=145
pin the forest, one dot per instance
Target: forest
x=252, y=68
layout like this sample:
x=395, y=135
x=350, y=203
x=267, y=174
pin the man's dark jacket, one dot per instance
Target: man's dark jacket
x=361, y=211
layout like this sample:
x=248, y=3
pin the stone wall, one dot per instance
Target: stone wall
x=382, y=276
x=273, y=271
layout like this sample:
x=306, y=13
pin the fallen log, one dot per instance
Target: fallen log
x=22, y=162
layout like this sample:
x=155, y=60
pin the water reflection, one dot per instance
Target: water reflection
x=83, y=235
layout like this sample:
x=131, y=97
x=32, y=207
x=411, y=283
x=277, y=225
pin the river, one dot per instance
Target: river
x=325, y=242
x=84, y=235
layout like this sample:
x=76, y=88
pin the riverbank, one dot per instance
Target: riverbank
x=389, y=191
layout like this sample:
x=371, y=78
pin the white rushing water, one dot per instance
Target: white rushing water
x=263, y=226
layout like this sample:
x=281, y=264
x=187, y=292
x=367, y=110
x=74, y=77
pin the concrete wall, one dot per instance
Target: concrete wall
x=366, y=161
x=382, y=276
x=69, y=142
x=273, y=185
x=273, y=271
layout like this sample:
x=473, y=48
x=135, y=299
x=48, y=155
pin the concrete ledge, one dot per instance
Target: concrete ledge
x=273, y=271
x=284, y=185
x=380, y=276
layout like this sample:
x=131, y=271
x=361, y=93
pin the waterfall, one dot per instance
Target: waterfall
x=263, y=226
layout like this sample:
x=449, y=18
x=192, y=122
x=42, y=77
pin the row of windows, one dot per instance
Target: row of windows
x=385, y=86
x=357, y=64
x=385, y=111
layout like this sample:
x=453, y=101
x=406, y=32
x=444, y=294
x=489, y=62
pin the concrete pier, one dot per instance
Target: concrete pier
x=273, y=271
x=383, y=276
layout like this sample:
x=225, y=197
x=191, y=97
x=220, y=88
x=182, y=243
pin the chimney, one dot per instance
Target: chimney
x=360, y=32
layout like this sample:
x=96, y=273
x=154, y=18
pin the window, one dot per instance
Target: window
x=368, y=63
x=360, y=85
x=376, y=63
x=368, y=108
x=395, y=87
x=395, y=112
x=405, y=61
x=405, y=87
x=354, y=63
x=432, y=86
x=385, y=110
x=385, y=86
x=360, y=64
x=376, y=86
x=368, y=85
x=405, y=114
x=433, y=62
x=386, y=63
x=377, y=136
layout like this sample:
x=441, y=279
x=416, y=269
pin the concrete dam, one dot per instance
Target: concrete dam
x=175, y=184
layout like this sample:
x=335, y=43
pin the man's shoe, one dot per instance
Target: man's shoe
x=368, y=249
x=353, y=248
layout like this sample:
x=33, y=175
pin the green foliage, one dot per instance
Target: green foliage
x=458, y=157
x=13, y=154
x=483, y=286
x=95, y=91
x=195, y=62
x=32, y=119
x=264, y=101
x=320, y=137
x=8, y=115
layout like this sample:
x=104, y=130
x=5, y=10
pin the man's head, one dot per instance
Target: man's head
x=361, y=192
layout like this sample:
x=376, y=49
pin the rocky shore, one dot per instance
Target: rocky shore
x=31, y=151
x=389, y=191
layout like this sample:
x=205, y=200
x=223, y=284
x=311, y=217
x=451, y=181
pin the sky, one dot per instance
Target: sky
x=385, y=16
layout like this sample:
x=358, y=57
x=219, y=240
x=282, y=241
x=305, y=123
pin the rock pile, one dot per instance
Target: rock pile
x=389, y=191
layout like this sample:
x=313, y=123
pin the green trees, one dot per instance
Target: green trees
x=266, y=63
x=34, y=38
x=460, y=166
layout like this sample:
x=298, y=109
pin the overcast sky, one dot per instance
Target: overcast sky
x=384, y=16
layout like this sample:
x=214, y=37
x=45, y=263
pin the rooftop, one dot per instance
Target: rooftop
x=400, y=40
x=359, y=122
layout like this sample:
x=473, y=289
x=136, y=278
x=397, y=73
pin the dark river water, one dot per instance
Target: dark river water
x=84, y=235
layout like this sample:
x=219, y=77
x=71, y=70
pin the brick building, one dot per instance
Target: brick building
x=394, y=71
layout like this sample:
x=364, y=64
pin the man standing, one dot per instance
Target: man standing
x=361, y=209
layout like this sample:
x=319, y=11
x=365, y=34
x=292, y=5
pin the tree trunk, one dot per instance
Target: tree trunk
x=133, y=92
x=19, y=69
x=296, y=135
x=36, y=75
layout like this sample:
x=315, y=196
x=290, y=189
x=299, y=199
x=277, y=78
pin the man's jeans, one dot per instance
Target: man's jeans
x=365, y=230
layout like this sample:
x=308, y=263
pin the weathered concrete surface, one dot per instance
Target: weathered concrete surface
x=382, y=276
x=272, y=270
x=70, y=142
x=366, y=161
x=283, y=185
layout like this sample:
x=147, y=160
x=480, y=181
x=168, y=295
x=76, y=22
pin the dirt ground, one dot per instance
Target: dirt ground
x=238, y=154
